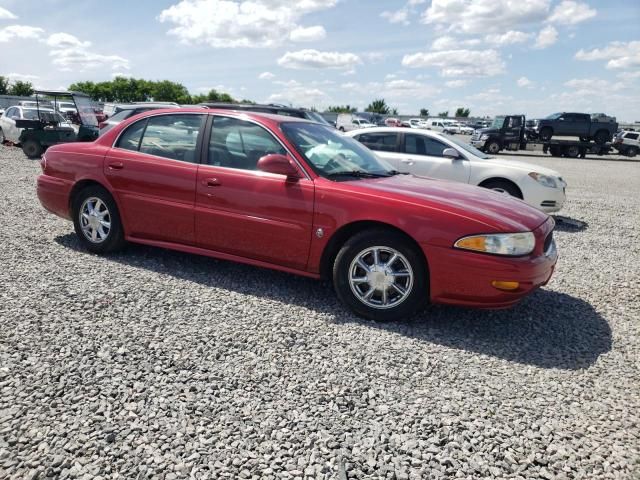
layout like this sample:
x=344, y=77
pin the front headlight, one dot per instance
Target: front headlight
x=544, y=180
x=484, y=136
x=512, y=244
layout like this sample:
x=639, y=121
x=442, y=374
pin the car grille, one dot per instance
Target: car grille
x=475, y=136
x=548, y=203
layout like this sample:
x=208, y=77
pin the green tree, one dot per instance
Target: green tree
x=394, y=111
x=341, y=109
x=444, y=114
x=424, y=112
x=4, y=85
x=21, y=89
x=462, y=112
x=166, y=91
x=378, y=106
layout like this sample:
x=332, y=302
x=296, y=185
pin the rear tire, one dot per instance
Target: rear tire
x=101, y=232
x=601, y=137
x=572, y=152
x=546, y=134
x=504, y=187
x=2, y=138
x=32, y=148
x=631, y=152
x=401, y=283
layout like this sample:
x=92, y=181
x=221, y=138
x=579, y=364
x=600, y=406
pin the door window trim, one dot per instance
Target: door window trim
x=197, y=153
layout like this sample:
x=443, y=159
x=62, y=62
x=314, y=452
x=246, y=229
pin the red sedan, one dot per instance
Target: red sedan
x=297, y=196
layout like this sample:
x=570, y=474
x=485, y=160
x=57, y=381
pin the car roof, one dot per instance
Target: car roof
x=133, y=106
x=430, y=133
x=228, y=112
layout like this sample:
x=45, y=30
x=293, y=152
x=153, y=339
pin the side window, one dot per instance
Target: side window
x=631, y=136
x=421, y=145
x=11, y=112
x=240, y=144
x=130, y=139
x=382, y=142
x=172, y=136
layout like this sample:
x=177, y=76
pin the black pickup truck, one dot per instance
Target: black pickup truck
x=586, y=127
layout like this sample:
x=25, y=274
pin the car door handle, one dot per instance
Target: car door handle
x=116, y=165
x=406, y=161
x=211, y=182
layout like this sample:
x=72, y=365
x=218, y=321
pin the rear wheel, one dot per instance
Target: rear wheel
x=97, y=221
x=503, y=186
x=546, y=134
x=631, y=151
x=2, y=139
x=32, y=148
x=381, y=275
x=572, y=151
x=601, y=137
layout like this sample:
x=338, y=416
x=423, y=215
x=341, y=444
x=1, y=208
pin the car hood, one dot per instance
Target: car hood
x=488, y=130
x=497, y=211
x=525, y=167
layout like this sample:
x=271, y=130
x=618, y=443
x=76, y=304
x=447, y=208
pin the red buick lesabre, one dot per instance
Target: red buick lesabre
x=297, y=196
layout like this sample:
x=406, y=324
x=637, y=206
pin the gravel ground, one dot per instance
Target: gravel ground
x=153, y=364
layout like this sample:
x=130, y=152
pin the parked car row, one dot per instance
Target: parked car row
x=298, y=196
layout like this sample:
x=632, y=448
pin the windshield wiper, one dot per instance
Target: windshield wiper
x=396, y=172
x=357, y=174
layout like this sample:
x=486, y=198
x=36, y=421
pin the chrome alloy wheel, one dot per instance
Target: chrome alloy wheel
x=380, y=277
x=95, y=220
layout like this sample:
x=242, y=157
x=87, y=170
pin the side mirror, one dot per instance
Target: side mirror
x=451, y=153
x=278, y=164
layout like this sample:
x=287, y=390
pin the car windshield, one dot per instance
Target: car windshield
x=497, y=122
x=316, y=117
x=332, y=155
x=469, y=148
x=554, y=116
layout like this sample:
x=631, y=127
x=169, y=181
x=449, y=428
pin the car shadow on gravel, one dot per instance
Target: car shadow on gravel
x=547, y=329
x=569, y=224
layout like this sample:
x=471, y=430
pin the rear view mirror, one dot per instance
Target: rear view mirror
x=278, y=164
x=451, y=153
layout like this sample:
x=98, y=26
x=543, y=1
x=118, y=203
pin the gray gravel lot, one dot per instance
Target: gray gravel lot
x=153, y=364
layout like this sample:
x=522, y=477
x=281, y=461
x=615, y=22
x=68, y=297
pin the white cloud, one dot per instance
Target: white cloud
x=300, y=95
x=409, y=89
x=524, y=82
x=618, y=54
x=21, y=76
x=238, y=23
x=20, y=31
x=69, y=53
x=308, y=34
x=397, y=16
x=447, y=42
x=456, y=83
x=507, y=38
x=121, y=74
x=569, y=12
x=593, y=85
x=547, y=37
x=266, y=76
x=65, y=40
x=310, y=58
x=456, y=63
x=6, y=14
x=482, y=16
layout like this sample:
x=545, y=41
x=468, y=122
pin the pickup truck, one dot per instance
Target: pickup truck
x=600, y=128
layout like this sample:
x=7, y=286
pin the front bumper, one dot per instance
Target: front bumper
x=543, y=198
x=479, y=144
x=463, y=278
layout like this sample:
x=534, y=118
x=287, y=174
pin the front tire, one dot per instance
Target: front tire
x=546, y=134
x=503, y=186
x=2, y=137
x=97, y=221
x=493, y=147
x=380, y=275
x=32, y=148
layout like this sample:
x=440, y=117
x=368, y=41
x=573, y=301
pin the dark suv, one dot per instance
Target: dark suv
x=599, y=128
x=125, y=110
x=271, y=108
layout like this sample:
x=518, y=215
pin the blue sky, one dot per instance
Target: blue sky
x=493, y=56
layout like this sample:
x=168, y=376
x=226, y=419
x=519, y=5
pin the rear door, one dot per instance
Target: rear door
x=246, y=212
x=152, y=169
x=422, y=155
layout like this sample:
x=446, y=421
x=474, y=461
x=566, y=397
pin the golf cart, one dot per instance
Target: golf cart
x=39, y=134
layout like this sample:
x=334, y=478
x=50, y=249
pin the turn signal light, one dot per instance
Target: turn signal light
x=473, y=243
x=507, y=286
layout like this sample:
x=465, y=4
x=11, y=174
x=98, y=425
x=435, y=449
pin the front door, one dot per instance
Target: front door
x=153, y=169
x=245, y=212
x=422, y=155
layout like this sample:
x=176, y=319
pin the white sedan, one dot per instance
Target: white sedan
x=431, y=154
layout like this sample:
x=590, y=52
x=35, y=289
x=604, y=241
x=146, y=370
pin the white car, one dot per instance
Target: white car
x=432, y=154
x=627, y=143
x=464, y=130
x=417, y=123
x=11, y=133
